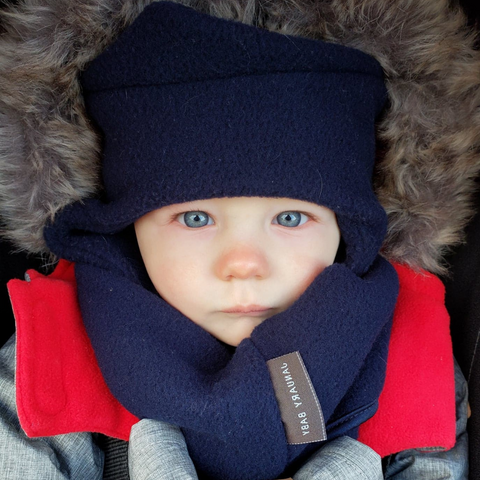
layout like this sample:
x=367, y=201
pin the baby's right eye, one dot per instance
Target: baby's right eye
x=290, y=219
x=195, y=219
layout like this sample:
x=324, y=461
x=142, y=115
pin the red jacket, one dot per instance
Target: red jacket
x=60, y=388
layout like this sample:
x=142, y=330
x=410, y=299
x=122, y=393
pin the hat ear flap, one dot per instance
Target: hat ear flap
x=361, y=240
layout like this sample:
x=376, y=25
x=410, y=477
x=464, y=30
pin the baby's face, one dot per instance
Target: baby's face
x=228, y=264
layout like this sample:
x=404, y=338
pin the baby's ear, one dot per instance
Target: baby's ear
x=341, y=252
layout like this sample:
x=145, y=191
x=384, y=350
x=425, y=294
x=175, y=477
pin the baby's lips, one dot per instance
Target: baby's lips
x=250, y=310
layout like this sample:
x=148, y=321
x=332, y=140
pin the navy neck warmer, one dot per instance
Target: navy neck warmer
x=160, y=365
x=193, y=107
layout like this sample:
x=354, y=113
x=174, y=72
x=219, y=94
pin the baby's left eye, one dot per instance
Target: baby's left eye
x=290, y=219
x=195, y=219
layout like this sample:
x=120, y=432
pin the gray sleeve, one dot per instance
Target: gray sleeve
x=343, y=458
x=73, y=456
x=157, y=451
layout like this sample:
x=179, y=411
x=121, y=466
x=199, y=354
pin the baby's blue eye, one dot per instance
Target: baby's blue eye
x=195, y=219
x=291, y=219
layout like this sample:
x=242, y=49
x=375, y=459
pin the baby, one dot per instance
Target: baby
x=229, y=277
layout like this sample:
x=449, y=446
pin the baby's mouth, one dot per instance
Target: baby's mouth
x=248, y=310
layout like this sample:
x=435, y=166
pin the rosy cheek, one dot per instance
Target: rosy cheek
x=305, y=271
x=307, y=280
x=177, y=279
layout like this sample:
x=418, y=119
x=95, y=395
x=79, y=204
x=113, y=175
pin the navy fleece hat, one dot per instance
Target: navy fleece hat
x=195, y=107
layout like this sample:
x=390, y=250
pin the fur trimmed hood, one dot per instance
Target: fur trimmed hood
x=429, y=134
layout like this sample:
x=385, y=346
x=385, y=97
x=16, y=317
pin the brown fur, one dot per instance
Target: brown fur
x=429, y=136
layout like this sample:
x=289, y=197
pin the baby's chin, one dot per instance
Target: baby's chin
x=236, y=330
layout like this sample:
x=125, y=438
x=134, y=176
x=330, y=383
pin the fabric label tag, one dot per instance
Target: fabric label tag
x=299, y=406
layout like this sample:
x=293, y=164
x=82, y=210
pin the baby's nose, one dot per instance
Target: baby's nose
x=242, y=262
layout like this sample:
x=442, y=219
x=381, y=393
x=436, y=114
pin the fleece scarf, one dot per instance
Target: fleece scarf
x=60, y=388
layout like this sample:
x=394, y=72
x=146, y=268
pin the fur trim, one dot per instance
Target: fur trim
x=429, y=136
